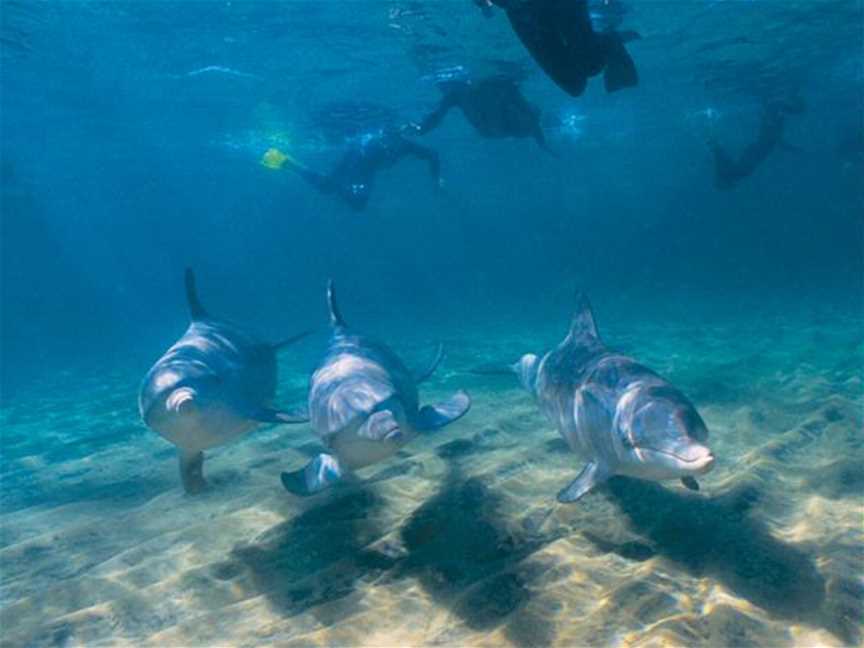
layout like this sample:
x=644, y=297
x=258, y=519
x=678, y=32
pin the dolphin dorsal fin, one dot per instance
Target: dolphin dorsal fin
x=336, y=320
x=422, y=376
x=196, y=310
x=583, y=329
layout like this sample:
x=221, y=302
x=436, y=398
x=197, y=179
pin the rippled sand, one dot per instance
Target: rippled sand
x=458, y=541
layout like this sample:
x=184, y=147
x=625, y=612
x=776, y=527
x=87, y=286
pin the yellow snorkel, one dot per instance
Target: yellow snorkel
x=274, y=159
x=274, y=129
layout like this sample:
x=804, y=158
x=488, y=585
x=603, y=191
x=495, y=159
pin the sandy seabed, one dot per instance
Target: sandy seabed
x=457, y=541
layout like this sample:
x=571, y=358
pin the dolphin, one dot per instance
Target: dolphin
x=364, y=407
x=214, y=385
x=620, y=415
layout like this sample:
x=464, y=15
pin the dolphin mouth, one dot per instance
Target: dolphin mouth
x=701, y=464
x=393, y=433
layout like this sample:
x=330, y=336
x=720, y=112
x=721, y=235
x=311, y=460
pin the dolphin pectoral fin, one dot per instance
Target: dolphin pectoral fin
x=320, y=473
x=192, y=471
x=424, y=375
x=690, y=483
x=433, y=417
x=591, y=475
x=381, y=426
x=293, y=416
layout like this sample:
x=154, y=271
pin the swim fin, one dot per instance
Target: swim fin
x=620, y=71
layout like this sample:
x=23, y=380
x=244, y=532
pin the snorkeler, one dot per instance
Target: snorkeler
x=728, y=171
x=354, y=176
x=562, y=40
x=494, y=106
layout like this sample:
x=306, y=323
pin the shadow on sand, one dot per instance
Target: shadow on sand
x=460, y=549
x=463, y=555
x=454, y=545
x=318, y=557
x=715, y=537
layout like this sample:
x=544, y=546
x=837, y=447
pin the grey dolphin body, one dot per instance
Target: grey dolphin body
x=623, y=417
x=364, y=407
x=215, y=384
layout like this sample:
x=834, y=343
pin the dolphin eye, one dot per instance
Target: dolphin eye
x=652, y=424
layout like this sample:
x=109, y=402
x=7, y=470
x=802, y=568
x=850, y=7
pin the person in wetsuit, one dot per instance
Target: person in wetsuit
x=354, y=176
x=494, y=106
x=561, y=38
x=729, y=171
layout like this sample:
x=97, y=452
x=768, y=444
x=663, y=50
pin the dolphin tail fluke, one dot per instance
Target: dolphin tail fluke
x=196, y=310
x=192, y=471
x=427, y=373
x=620, y=71
x=336, y=320
x=434, y=417
x=319, y=474
x=281, y=344
x=592, y=475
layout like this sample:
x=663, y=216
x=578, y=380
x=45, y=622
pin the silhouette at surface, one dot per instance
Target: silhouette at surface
x=729, y=171
x=353, y=178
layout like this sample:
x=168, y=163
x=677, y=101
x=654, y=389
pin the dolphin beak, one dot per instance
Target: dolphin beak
x=695, y=457
x=699, y=458
x=706, y=463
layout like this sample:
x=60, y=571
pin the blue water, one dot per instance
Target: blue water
x=132, y=135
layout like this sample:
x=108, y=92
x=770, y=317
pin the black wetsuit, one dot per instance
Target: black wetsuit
x=353, y=178
x=495, y=107
x=728, y=171
x=560, y=37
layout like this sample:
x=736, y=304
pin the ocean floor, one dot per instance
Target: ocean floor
x=458, y=541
